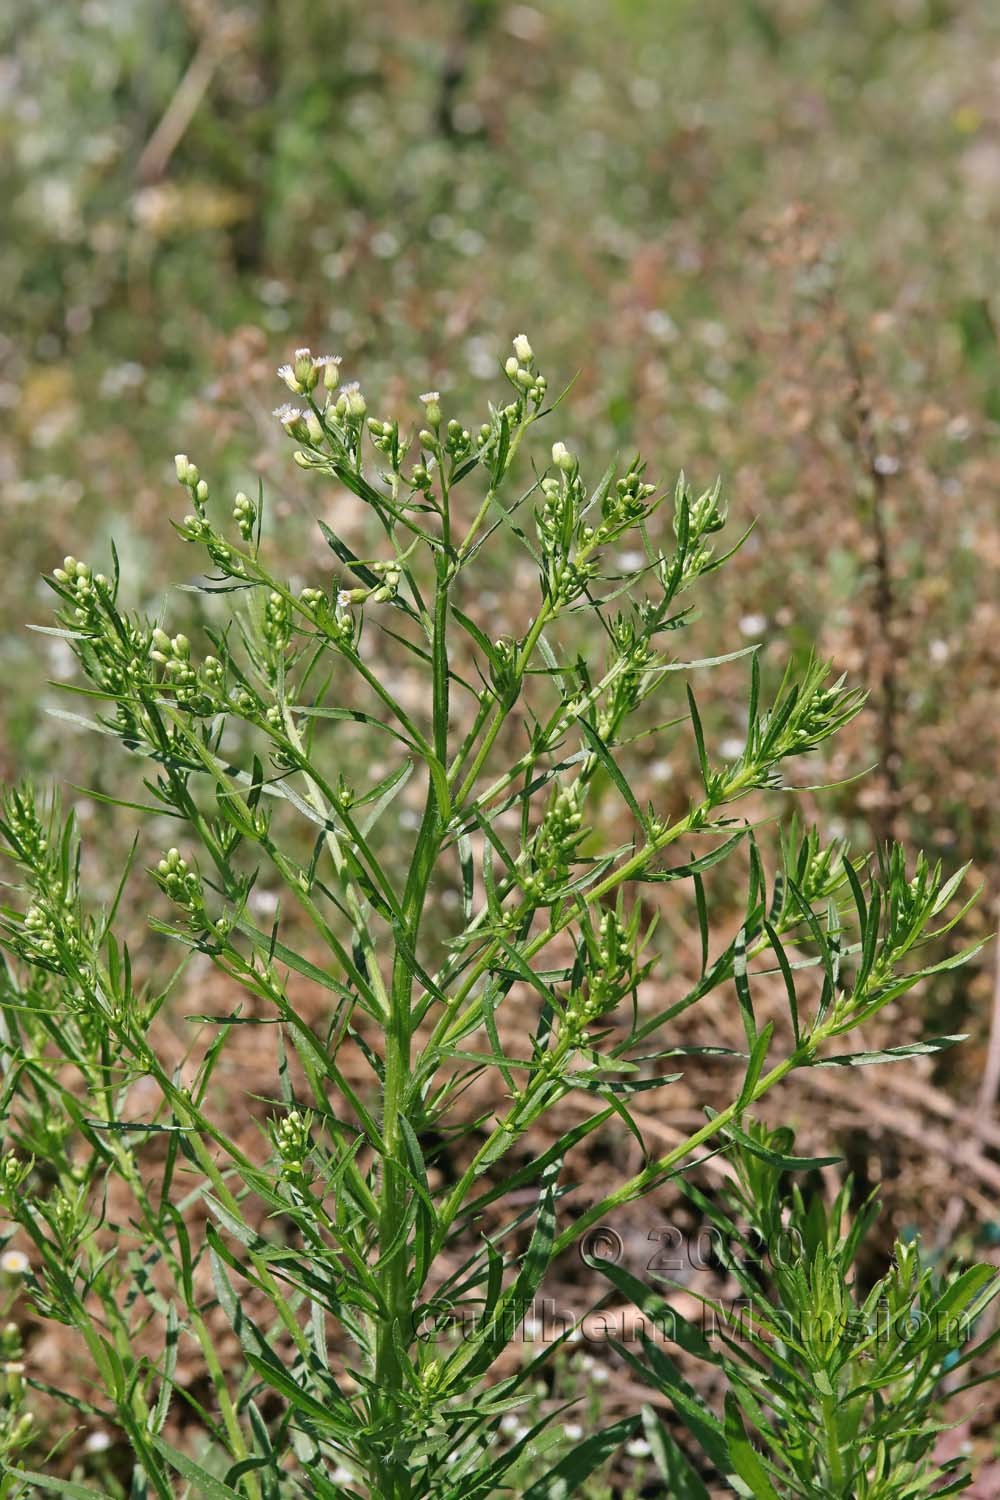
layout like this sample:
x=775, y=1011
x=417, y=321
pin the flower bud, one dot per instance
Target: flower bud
x=512, y=366
x=306, y=372
x=523, y=349
x=562, y=458
x=432, y=401
x=330, y=364
x=181, y=463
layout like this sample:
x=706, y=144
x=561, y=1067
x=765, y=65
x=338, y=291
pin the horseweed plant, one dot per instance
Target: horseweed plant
x=840, y=1388
x=372, y=1220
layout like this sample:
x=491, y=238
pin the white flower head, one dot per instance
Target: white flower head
x=638, y=1448
x=430, y=396
x=288, y=375
x=344, y=599
x=562, y=457
x=573, y=1431
x=98, y=1442
x=523, y=349
x=14, y=1262
x=287, y=414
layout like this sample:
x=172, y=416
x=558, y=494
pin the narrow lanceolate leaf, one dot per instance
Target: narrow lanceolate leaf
x=207, y=1487
x=699, y=736
x=787, y=1163
x=891, y=1054
x=564, y=1481
x=742, y=981
x=683, y=1480
x=745, y=1461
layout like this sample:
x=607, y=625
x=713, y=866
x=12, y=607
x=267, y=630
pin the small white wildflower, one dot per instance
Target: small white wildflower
x=573, y=1431
x=512, y=366
x=886, y=464
x=599, y=1375
x=509, y=1423
x=353, y=401
x=342, y=1475
x=432, y=401
x=330, y=366
x=939, y=651
x=182, y=463
x=14, y=1262
x=562, y=457
x=287, y=414
x=344, y=599
x=288, y=375
x=98, y=1442
x=638, y=1448
x=523, y=349
x=14, y=1367
x=753, y=624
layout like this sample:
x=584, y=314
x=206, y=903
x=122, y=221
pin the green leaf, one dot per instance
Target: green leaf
x=758, y=1057
x=683, y=1481
x=209, y=1488
x=745, y=1460
x=774, y=1158
x=564, y=1481
x=63, y=1486
x=891, y=1054
x=742, y=982
x=699, y=736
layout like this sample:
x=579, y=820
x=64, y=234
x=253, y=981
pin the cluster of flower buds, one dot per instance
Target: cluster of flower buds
x=306, y=370
x=189, y=476
x=13, y=1172
x=23, y=827
x=277, y=623
x=557, y=523
x=198, y=691
x=385, y=439
x=351, y=405
x=182, y=884
x=292, y=1136
x=817, y=869
x=245, y=516
x=630, y=666
x=336, y=624
x=694, y=521
x=503, y=665
x=622, y=507
x=458, y=440
x=554, y=844
x=614, y=953
x=68, y=1218
x=520, y=371
x=86, y=589
x=196, y=526
x=41, y=932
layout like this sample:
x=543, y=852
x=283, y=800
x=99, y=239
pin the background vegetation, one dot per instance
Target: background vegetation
x=761, y=234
